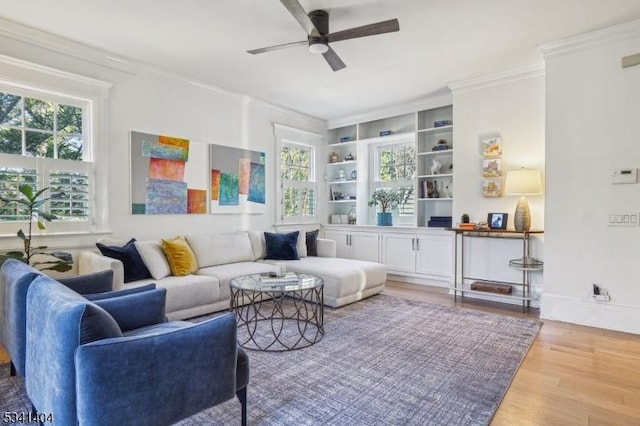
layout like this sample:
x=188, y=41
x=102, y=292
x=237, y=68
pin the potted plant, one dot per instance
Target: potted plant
x=56, y=260
x=387, y=199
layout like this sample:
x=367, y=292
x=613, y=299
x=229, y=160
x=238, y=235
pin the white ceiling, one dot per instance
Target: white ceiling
x=439, y=41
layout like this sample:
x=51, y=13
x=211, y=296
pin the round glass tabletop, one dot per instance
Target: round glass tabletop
x=292, y=281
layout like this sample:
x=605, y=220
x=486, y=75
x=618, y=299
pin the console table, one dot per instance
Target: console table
x=526, y=264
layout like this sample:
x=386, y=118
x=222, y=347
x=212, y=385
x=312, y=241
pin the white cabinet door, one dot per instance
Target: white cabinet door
x=341, y=238
x=398, y=252
x=434, y=255
x=364, y=246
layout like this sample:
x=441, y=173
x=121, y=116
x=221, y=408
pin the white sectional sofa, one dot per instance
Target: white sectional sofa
x=221, y=257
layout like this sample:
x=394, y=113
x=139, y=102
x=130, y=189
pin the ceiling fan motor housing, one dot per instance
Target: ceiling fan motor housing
x=318, y=44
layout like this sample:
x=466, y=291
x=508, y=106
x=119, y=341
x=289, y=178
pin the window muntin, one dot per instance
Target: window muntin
x=395, y=168
x=43, y=142
x=298, y=182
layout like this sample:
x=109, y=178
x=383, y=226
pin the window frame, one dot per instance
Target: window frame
x=376, y=183
x=289, y=136
x=45, y=165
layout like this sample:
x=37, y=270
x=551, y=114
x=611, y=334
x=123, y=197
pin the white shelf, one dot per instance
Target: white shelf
x=341, y=144
x=435, y=199
x=436, y=129
x=337, y=182
x=342, y=201
x=442, y=151
x=342, y=163
x=391, y=137
x=488, y=293
x=436, y=176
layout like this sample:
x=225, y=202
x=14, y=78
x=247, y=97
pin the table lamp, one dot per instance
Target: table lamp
x=523, y=182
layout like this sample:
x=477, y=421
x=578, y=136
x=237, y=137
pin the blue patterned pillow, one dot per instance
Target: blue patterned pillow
x=282, y=246
x=134, y=267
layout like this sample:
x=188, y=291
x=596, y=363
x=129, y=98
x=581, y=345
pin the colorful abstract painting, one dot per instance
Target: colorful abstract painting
x=244, y=168
x=229, y=190
x=215, y=184
x=256, y=184
x=237, y=180
x=168, y=175
x=196, y=201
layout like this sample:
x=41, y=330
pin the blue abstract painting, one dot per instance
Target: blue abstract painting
x=166, y=197
x=229, y=190
x=256, y=184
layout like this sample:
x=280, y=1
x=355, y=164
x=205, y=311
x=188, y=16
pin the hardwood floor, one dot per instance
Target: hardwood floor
x=572, y=375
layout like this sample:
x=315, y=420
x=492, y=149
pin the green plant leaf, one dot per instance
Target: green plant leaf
x=46, y=216
x=13, y=255
x=21, y=235
x=63, y=256
x=37, y=194
x=41, y=226
x=58, y=266
x=27, y=192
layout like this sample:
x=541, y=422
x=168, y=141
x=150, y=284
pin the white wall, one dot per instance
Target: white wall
x=511, y=105
x=149, y=101
x=593, y=127
x=159, y=105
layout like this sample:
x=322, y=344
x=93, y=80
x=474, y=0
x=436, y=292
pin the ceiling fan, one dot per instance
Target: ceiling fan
x=316, y=25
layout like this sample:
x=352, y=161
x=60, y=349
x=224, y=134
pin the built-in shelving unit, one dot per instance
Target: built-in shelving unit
x=429, y=130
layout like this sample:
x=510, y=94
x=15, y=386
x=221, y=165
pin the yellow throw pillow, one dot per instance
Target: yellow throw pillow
x=180, y=256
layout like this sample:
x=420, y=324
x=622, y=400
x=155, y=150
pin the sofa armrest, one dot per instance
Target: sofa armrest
x=90, y=262
x=120, y=378
x=326, y=248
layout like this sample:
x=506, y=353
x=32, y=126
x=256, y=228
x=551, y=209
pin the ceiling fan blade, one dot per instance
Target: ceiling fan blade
x=333, y=60
x=389, y=26
x=278, y=47
x=295, y=8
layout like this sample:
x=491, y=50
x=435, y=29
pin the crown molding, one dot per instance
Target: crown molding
x=592, y=39
x=393, y=110
x=54, y=72
x=103, y=58
x=501, y=77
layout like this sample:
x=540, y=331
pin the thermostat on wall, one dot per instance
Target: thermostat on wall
x=624, y=176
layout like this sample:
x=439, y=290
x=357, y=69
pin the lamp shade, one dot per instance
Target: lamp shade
x=523, y=181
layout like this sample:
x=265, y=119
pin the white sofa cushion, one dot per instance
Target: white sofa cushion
x=220, y=249
x=154, y=258
x=224, y=273
x=187, y=291
x=342, y=277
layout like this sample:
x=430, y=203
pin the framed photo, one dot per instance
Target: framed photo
x=492, y=168
x=497, y=220
x=492, y=147
x=492, y=188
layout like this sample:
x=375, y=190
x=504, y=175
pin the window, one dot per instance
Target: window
x=395, y=168
x=298, y=182
x=44, y=142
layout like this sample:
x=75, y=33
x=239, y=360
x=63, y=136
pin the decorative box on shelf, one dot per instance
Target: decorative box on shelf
x=442, y=123
x=439, y=222
x=491, y=287
x=346, y=139
x=386, y=132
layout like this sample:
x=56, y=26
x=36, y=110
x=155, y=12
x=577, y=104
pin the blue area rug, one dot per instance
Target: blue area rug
x=383, y=361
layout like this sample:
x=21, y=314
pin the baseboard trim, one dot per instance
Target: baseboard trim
x=590, y=313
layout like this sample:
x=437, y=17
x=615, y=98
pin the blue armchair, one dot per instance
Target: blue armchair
x=119, y=364
x=15, y=279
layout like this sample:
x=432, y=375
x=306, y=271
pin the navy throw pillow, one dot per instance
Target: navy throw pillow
x=312, y=244
x=97, y=282
x=119, y=293
x=282, y=246
x=134, y=267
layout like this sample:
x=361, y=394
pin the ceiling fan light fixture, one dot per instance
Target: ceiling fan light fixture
x=317, y=46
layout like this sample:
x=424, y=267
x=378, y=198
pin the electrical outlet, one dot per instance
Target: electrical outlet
x=601, y=297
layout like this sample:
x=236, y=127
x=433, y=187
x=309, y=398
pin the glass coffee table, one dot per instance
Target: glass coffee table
x=276, y=315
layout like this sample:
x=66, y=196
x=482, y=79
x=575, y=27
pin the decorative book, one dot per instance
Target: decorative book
x=271, y=279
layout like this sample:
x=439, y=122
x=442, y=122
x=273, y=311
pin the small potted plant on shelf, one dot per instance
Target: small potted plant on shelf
x=387, y=199
x=35, y=256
